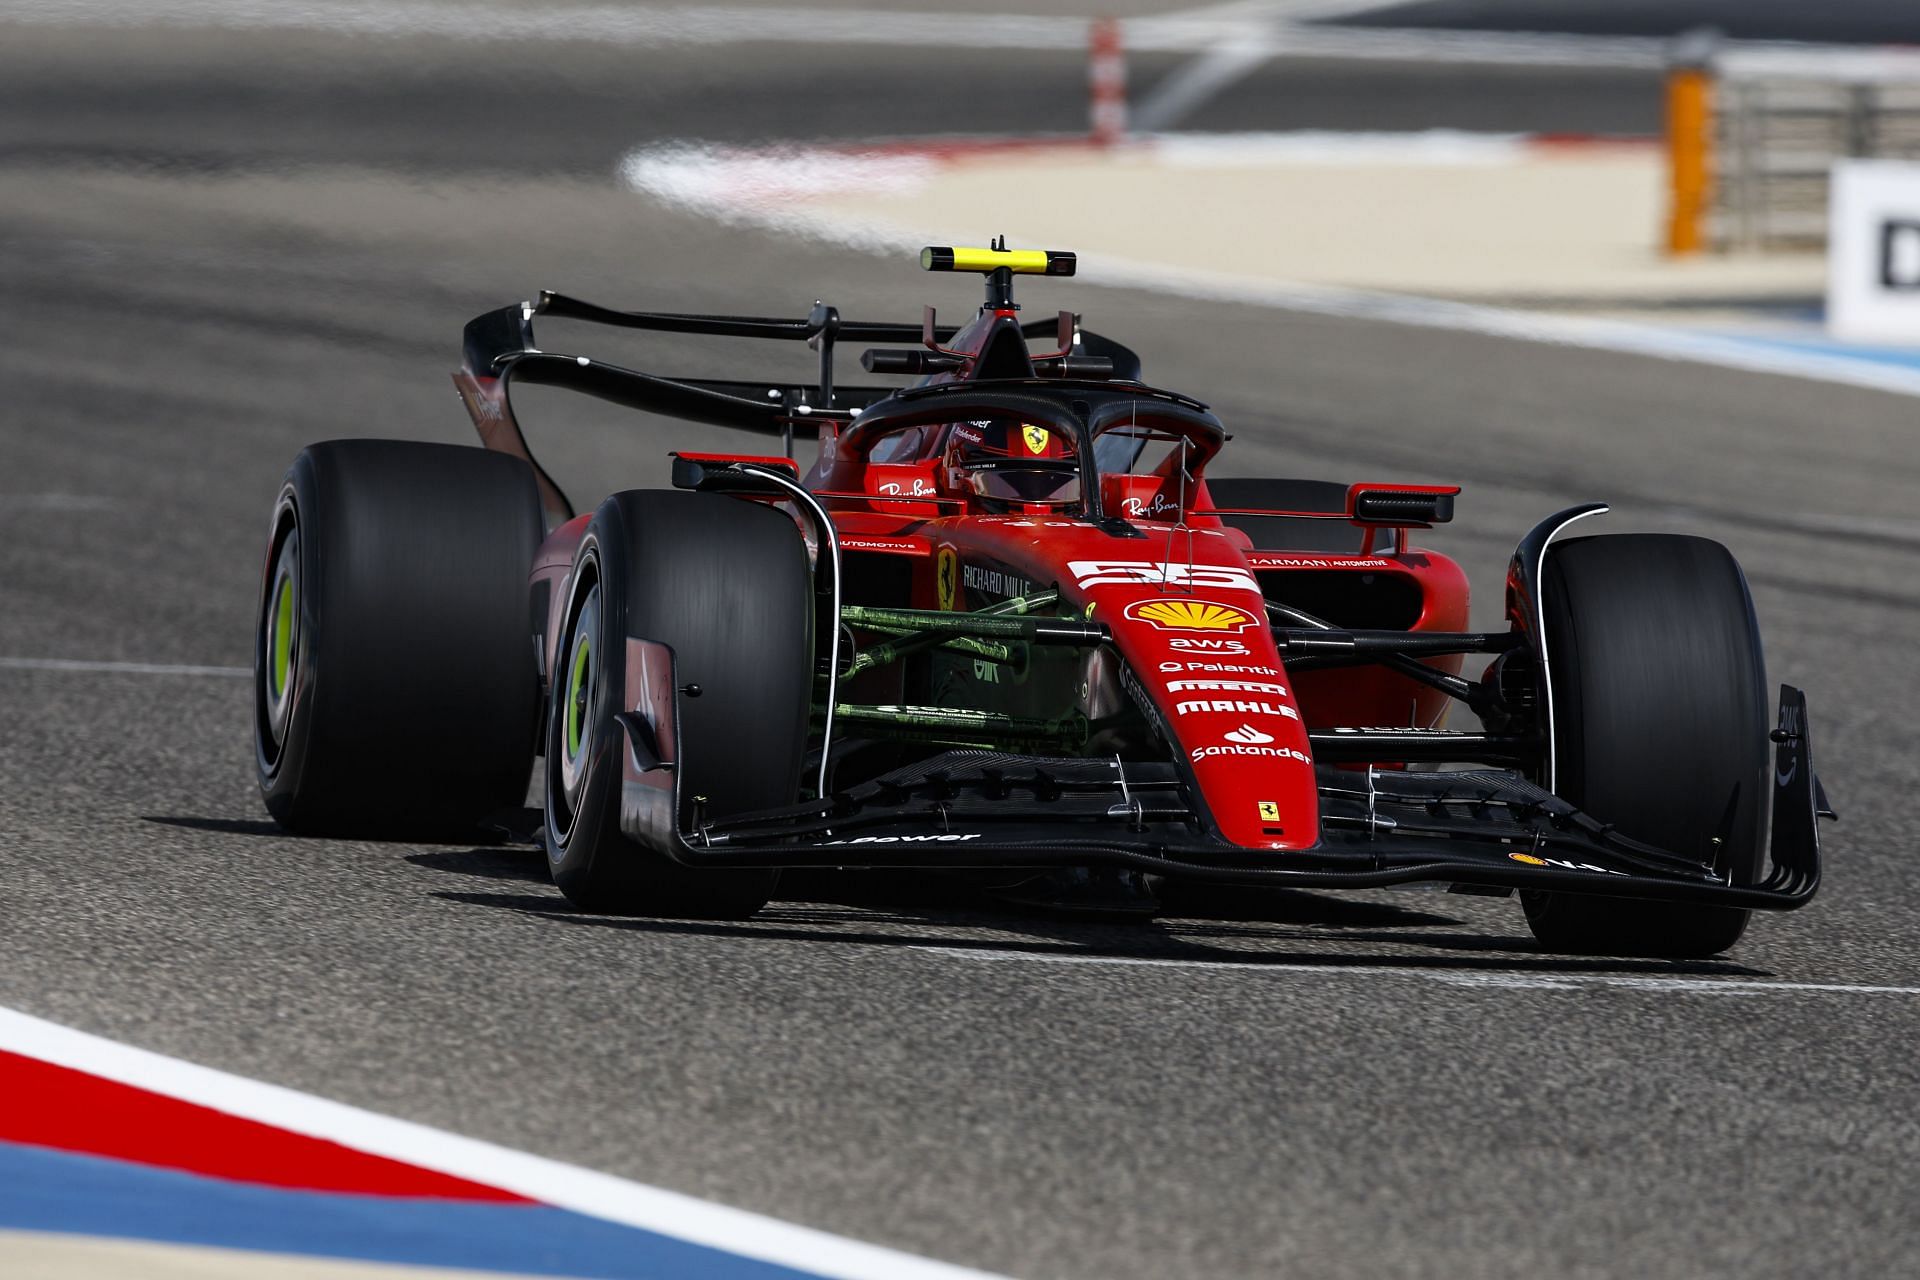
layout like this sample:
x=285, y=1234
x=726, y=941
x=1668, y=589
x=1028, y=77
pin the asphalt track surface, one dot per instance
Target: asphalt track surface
x=1284, y=1084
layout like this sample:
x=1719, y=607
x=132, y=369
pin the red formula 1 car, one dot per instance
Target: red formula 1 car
x=1005, y=622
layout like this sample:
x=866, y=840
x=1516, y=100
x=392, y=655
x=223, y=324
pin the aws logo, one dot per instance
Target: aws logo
x=1190, y=615
x=1207, y=644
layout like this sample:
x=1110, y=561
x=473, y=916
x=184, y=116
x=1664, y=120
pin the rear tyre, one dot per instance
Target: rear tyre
x=1278, y=533
x=395, y=686
x=1660, y=727
x=727, y=585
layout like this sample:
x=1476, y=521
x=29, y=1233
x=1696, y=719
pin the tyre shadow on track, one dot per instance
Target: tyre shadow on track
x=505, y=862
x=222, y=826
x=921, y=912
x=503, y=833
x=1200, y=923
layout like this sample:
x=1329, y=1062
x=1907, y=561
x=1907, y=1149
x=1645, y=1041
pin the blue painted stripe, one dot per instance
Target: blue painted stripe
x=42, y=1190
x=1813, y=343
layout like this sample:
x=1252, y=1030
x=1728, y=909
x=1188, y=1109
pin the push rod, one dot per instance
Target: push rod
x=942, y=724
x=914, y=639
x=986, y=626
x=1308, y=642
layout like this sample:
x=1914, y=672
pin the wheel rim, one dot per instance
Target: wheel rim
x=577, y=693
x=581, y=688
x=280, y=638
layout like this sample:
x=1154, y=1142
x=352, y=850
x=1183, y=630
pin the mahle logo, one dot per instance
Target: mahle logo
x=1236, y=706
x=1190, y=615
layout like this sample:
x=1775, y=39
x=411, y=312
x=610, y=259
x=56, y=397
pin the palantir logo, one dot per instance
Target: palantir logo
x=1247, y=735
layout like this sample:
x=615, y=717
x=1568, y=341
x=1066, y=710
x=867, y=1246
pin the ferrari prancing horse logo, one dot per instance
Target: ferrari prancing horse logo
x=1036, y=438
x=946, y=578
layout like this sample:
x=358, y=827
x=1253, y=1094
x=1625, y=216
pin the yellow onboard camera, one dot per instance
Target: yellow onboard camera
x=1021, y=262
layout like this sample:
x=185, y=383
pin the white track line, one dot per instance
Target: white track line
x=1280, y=10
x=655, y=1209
x=1482, y=978
x=122, y=668
x=1588, y=332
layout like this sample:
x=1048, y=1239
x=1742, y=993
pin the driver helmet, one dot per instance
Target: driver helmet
x=1007, y=442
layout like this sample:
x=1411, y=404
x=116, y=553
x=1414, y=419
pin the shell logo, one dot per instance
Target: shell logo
x=1190, y=615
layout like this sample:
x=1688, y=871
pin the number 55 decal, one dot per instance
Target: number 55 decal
x=1098, y=573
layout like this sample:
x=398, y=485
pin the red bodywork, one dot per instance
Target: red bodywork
x=1184, y=603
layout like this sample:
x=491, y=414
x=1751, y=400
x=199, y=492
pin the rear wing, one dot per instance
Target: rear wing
x=498, y=349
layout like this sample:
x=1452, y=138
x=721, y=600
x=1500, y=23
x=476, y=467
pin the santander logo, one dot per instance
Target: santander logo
x=1247, y=735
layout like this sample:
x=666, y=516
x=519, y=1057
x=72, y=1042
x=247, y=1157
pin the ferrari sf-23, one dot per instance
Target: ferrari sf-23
x=1008, y=623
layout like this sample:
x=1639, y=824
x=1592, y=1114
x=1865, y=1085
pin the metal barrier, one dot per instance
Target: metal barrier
x=1752, y=135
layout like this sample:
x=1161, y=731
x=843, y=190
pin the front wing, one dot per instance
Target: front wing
x=976, y=809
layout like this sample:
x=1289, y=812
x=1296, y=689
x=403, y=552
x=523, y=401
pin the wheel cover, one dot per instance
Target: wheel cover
x=577, y=693
x=577, y=730
x=281, y=640
x=282, y=635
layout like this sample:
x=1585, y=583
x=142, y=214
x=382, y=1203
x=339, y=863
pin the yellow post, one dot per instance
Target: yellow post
x=1689, y=164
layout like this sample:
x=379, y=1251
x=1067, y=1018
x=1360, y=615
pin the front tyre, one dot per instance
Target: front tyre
x=395, y=685
x=726, y=584
x=1660, y=727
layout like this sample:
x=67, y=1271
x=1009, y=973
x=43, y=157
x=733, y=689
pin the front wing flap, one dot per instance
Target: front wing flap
x=975, y=809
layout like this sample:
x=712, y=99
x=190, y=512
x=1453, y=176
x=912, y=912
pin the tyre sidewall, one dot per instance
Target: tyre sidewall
x=1598, y=729
x=281, y=768
x=415, y=687
x=1577, y=707
x=586, y=835
x=641, y=549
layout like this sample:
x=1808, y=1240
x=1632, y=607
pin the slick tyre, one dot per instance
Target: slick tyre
x=395, y=686
x=1278, y=533
x=726, y=584
x=1660, y=727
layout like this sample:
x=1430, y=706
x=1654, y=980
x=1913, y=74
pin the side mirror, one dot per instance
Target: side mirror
x=1412, y=506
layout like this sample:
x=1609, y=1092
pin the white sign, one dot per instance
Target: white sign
x=1873, y=251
